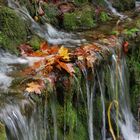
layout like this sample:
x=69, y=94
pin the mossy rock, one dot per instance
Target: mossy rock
x=79, y=19
x=51, y=13
x=30, y=5
x=13, y=30
x=35, y=42
x=122, y=5
x=2, y=132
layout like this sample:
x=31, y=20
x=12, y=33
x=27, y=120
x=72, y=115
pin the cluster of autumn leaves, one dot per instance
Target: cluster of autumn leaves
x=52, y=59
x=56, y=59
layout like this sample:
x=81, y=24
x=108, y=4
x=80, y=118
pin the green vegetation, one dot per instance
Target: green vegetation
x=104, y=16
x=133, y=61
x=51, y=13
x=35, y=42
x=2, y=132
x=130, y=32
x=122, y=5
x=79, y=20
x=12, y=29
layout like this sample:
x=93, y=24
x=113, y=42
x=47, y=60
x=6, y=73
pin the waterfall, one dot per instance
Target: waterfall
x=119, y=85
x=6, y=62
x=46, y=31
x=113, y=10
x=25, y=119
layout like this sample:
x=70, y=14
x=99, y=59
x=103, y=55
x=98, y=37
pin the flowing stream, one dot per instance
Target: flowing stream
x=114, y=11
x=46, y=31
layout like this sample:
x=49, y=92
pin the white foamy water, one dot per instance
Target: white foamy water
x=126, y=122
x=7, y=62
x=137, y=4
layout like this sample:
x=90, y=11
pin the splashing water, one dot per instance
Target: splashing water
x=6, y=62
x=7, y=66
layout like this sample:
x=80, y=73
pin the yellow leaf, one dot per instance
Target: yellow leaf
x=63, y=52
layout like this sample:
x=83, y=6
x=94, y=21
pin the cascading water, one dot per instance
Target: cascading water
x=120, y=92
x=113, y=10
x=46, y=31
x=25, y=120
x=6, y=62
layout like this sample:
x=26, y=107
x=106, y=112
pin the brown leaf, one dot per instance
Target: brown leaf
x=68, y=67
x=44, y=46
x=25, y=49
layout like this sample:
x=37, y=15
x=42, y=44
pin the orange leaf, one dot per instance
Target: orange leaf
x=125, y=46
x=91, y=47
x=67, y=67
x=36, y=65
x=43, y=46
x=53, y=50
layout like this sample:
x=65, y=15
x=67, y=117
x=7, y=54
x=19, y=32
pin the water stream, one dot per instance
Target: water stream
x=46, y=31
x=114, y=11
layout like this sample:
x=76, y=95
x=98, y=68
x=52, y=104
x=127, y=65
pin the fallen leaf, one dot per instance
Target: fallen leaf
x=68, y=67
x=25, y=49
x=34, y=87
x=63, y=52
x=44, y=46
x=125, y=46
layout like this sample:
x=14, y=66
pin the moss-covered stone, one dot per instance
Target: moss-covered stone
x=35, y=42
x=2, y=132
x=12, y=29
x=51, y=13
x=122, y=5
x=79, y=19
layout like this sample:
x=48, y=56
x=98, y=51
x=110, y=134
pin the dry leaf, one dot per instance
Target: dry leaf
x=34, y=87
x=68, y=67
x=63, y=52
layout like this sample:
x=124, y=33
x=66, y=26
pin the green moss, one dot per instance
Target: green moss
x=133, y=61
x=31, y=6
x=35, y=42
x=122, y=5
x=79, y=19
x=51, y=13
x=104, y=17
x=12, y=29
x=2, y=132
x=79, y=2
